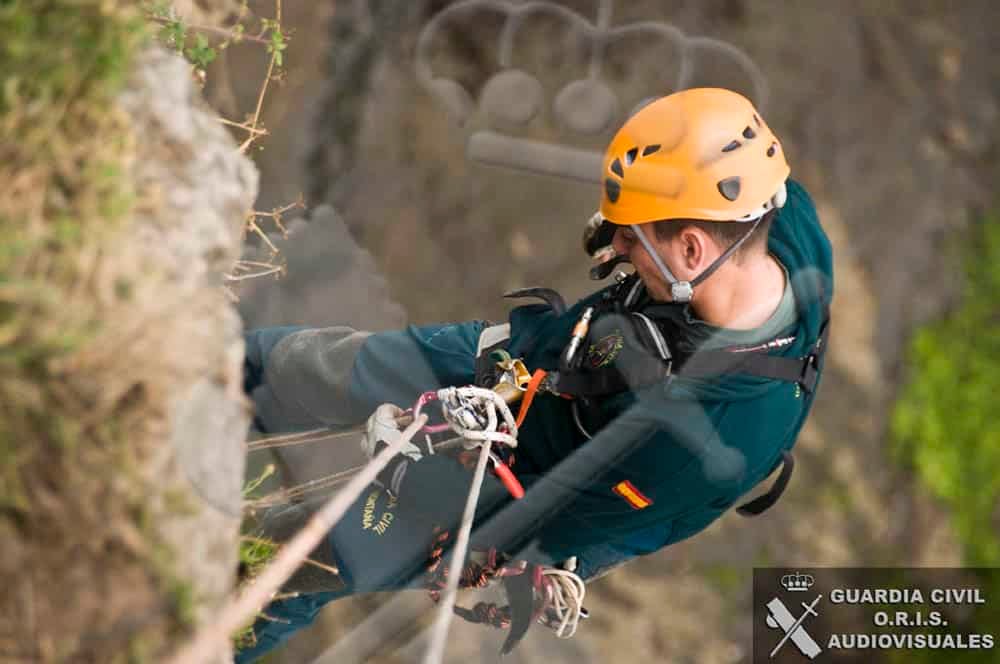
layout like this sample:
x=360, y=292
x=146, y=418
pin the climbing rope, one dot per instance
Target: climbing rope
x=286, y=495
x=439, y=633
x=473, y=413
x=242, y=607
x=300, y=438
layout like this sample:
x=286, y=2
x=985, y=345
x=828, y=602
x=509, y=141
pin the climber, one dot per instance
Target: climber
x=677, y=389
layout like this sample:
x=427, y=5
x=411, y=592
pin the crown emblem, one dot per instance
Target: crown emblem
x=797, y=582
x=584, y=107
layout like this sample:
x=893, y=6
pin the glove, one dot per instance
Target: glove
x=382, y=428
x=597, y=237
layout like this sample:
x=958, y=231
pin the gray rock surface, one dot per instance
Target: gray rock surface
x=199, y=188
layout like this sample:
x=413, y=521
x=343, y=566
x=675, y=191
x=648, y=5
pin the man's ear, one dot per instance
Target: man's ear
x=695, y=244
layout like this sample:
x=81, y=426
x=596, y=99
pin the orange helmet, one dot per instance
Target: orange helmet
x=703, y=153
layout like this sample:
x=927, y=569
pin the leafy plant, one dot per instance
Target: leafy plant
x=945, y=425
x=200, y=54
x=276, y=40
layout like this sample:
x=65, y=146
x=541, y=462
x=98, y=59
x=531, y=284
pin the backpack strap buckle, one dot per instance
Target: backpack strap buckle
x=810, y=373
x=810, y=365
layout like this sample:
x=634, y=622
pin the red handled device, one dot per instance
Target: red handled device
x=506, y=476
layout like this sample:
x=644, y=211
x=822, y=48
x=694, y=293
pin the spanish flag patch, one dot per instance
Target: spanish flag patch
x=632, y=496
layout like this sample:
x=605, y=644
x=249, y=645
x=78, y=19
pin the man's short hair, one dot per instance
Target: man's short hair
x=725, y=233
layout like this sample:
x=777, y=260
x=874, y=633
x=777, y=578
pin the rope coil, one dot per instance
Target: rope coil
x=565, y=591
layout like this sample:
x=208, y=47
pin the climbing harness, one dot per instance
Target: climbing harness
x=657, y=363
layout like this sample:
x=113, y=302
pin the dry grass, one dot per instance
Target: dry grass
x=78, y=398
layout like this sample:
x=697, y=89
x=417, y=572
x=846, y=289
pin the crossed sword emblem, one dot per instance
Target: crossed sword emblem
x=782, y=618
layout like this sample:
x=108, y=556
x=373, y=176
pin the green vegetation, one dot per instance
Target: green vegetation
x=256, y=551
x=255, y=554
x=63, y=149
x=945, y=425
x=80, y=407
x=70, y=417
x=174, y=34
x=195, y=46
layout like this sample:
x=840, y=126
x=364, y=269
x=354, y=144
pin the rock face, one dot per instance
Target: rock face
x=202, y=188
x=130, y=534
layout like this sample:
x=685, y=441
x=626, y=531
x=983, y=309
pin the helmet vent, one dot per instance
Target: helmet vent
x=749, y=133
x=771, y=150
x=616, y=168
x=631, y=155
x=613, y=190
x=756, y=119
x=732, y=146
x=650, y=149
x=730, y=188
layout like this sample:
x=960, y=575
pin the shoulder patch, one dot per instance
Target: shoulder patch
x=632, y=495
x=604, y=351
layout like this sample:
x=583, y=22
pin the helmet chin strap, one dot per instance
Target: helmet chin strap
x=682, y=291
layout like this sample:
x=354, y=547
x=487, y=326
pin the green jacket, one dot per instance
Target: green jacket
x=694, y=450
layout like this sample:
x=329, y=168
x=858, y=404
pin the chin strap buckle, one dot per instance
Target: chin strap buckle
x=681, y=291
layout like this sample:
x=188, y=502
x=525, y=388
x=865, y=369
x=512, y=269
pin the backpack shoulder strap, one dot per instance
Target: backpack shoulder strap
x=804, y=371
x=764, y=502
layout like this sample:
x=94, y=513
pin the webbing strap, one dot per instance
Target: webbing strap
x=704, y=364
x=764, y=502
x=529, y=394
x=801, y=370
x=804, y=371
x=788, y=369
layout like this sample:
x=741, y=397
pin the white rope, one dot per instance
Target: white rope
x=283, y=496
x=439, y=633
x=566, y=599
x=239, y=609
x=463, y=408
x=300, y=438
x=564, y=589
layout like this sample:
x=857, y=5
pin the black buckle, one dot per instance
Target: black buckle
x=810, y=373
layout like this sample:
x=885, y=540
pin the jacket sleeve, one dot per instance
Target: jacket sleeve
x=301, y=378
